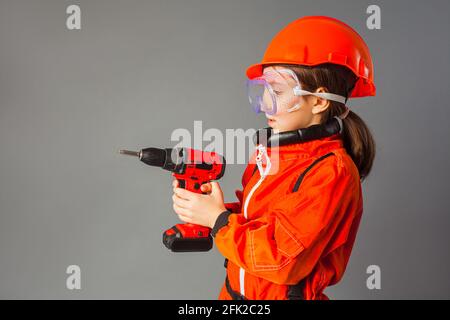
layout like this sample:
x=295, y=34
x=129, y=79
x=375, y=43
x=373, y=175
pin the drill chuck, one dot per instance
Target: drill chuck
x=153, y=156
x=156, y=157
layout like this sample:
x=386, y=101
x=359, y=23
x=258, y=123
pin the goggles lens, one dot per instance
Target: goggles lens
x=273, y=91
x=260, y=96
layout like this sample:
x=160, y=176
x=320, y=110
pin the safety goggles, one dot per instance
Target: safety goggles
x=277, y=90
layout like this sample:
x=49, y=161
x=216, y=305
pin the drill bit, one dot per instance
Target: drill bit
x=131, y=153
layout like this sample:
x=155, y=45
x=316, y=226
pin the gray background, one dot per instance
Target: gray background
x=136, y=71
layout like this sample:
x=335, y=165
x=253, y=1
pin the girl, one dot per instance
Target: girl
x=291, y=233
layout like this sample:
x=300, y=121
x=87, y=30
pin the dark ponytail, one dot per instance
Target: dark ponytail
x=359, y=143
x=357, y=138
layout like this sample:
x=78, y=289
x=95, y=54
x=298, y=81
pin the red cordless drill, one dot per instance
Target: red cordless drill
x=191, y=168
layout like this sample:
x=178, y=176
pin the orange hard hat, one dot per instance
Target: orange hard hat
x=314, y=40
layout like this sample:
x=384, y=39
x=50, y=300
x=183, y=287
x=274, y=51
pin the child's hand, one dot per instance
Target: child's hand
x=201, y=209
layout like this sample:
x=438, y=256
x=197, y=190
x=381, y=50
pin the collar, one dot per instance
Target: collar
x=267, y=138
x=306, y=142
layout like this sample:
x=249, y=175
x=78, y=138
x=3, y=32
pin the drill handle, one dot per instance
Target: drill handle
x=189, y=184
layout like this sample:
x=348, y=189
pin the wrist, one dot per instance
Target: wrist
x=221, y=221
x=215, y=215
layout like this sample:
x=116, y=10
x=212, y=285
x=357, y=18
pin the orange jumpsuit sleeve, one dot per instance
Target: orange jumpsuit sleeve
x=284, y=244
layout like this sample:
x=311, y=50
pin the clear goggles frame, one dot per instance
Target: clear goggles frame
x=279, y=90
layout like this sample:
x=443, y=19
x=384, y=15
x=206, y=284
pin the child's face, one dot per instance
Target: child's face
x=303, y=117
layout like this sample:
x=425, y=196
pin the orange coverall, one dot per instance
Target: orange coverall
x=289, y=238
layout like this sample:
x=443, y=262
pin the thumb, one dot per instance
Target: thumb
x=215, y=189
x=206, y=187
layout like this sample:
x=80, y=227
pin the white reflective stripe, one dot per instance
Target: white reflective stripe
x=261, y=151
x=325, y=95
x=242, y=281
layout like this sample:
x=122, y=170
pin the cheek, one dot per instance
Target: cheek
x=307, y=104
x=285, y=120
x=292, y=121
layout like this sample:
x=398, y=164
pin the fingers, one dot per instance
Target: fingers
x=183, y=203
x=183, y=193
x=183, y=214
x=185, y=219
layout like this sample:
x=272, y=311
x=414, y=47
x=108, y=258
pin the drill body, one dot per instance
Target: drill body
x=191, y=168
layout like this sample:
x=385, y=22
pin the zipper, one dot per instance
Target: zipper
x=263, y=173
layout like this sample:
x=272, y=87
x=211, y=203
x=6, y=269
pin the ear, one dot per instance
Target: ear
x=320, y=104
